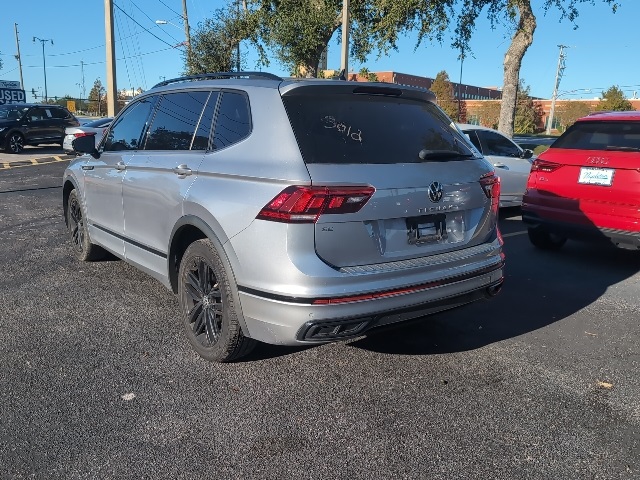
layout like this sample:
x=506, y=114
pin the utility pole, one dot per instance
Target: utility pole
x=554, y=97
x=187, y=33
x=15, y=26
x=44, y=63
x=111, y=59
x=460, y=82
x=84, y=90
x=344, y=57
x=238, y=45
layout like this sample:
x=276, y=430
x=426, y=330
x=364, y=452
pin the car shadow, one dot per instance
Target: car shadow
x=541, y=287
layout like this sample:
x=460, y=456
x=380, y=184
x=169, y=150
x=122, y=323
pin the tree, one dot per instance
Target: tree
x=528, y=114
x=370, y=76
x=214, y=43
x=443, y=90
x=97, y=98
x=296, y=32
x=489, y=113
x=613, y=99
x=570, y=111
x=432, y=19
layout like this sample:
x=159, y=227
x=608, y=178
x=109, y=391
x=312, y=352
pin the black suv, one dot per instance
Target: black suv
x=32, y=124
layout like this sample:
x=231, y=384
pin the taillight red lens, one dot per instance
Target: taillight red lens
x=83, y=134
x=544, y=166
x=491, y=185
x=300, y=204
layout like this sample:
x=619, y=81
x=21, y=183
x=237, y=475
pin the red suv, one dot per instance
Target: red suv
x=587, y=184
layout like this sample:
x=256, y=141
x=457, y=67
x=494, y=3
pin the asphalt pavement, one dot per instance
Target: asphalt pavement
x=98, y=380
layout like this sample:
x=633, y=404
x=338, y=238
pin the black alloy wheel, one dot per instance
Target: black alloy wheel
x=15, y=143
x=205, y=302
x=207, y=299
x=76, y=224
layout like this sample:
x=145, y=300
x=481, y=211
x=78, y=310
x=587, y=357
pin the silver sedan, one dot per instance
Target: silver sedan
x=95, y=128
x=512, y=163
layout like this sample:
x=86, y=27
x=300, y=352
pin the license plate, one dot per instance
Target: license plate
x=596, y=176
x=427, y=229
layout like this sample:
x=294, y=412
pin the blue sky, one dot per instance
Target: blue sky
x=601, y=51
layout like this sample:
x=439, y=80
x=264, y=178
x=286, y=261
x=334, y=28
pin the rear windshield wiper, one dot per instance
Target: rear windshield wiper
x=622, y=149
x=441, y=154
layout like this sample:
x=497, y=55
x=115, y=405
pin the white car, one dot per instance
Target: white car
x=512, y=163
x=95, y=128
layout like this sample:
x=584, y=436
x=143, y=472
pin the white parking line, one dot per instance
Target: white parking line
x=513, y=234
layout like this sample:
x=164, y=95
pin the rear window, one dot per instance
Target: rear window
x=601, y=136
x=361, y=129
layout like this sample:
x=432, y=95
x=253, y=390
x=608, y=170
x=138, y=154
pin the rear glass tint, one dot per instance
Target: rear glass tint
x=601, y=136
x=361, y=129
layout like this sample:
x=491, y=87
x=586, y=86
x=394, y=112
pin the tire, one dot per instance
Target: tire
x=544, y=240
x=15, y=143
x=208, y=307
x=77, y=226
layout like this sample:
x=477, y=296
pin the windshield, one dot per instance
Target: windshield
x=373, y=129
x=622, y=135
x=12, y=112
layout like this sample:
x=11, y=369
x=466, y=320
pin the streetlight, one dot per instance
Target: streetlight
x=186, y=33
x=44, y=63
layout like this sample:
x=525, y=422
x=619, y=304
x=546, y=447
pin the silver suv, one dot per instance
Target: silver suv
x=289, y=211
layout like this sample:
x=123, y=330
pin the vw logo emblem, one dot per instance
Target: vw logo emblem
x=435, y=192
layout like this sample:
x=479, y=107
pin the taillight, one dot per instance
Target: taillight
x=491, y=185
x=300, y=204
x=544, y=166
x=83, y=134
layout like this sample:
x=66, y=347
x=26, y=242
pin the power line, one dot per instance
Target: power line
x=178, y=14
x=145, y=29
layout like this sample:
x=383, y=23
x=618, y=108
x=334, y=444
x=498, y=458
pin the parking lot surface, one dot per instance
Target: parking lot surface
x=98, y=380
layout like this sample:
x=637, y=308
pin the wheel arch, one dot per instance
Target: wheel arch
x=187, y=230
x=67, y=187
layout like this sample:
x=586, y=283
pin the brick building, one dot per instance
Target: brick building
x=474, y=96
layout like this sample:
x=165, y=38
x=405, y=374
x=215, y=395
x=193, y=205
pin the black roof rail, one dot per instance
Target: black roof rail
x=219, y=75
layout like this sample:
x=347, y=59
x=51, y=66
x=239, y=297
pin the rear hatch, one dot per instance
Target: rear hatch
x=428, y=196
x=593, y=168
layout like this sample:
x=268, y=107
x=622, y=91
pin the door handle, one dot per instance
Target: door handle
x=182, y=170
x=500, y=165
x=121, y=166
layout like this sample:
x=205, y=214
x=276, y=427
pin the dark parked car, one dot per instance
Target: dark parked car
x=30, y=124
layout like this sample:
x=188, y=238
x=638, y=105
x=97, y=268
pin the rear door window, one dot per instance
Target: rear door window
x=176, y=120
x=59, y=113
x=495, y=144
x=233, y=121
x=601, y=136
x=360, y=129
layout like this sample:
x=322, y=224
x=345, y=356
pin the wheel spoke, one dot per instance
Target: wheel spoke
x=204, y=274
x=199, y=324
x=213, y=331
x=194, y=290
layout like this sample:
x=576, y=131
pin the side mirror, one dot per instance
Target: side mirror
x=85, y=144
x=526, y=153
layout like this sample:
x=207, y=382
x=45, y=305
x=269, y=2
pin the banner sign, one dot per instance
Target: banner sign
x=12, y=95
x=11, y=92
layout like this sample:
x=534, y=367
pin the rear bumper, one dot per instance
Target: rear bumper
x=580, y=231
x=294, y=321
